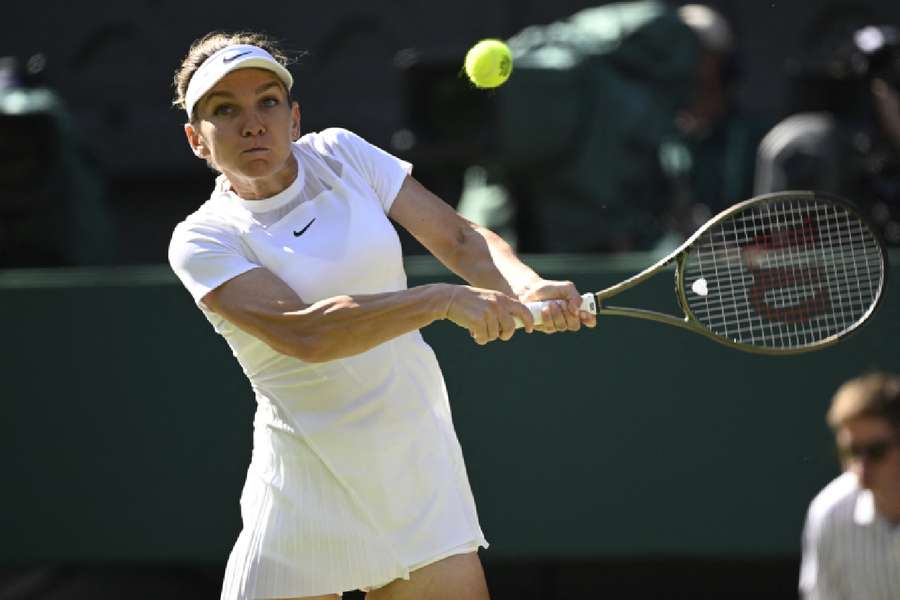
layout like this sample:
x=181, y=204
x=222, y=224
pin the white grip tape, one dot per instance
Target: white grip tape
x=588, y=304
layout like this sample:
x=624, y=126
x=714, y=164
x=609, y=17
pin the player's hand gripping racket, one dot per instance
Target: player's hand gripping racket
x=781, y=273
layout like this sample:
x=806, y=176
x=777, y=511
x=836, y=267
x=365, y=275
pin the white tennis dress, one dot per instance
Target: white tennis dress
x=357, y=476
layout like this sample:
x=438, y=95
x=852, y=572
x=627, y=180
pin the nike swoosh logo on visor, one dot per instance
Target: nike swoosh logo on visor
x=228, y=59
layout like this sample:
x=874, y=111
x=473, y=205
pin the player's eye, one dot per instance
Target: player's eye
x=874, y=451
x=270, y=101
x=223, y=110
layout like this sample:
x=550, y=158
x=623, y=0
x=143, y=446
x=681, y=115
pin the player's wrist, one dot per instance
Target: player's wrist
x=523, y=289
x=442, y=295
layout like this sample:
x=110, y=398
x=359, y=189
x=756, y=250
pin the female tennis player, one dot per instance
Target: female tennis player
x=356, y=480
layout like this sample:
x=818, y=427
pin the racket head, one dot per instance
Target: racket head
x=782, y=273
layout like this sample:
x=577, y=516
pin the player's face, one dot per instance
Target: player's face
x=870, y=448
x=245, y=126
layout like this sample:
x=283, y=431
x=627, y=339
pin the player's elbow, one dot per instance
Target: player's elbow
x=309, y=348
x=465, y=245
x=317, y=352
x=312, y=337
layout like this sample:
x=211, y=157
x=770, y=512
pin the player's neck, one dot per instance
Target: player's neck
x=259, y=188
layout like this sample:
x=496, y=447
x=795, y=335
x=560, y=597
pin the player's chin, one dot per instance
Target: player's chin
x=256, y=160
x=256, y=166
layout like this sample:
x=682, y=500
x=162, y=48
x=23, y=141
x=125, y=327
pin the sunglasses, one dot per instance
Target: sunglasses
x=872, y=452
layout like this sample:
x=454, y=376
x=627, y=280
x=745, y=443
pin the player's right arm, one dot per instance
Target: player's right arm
x=261, y=304
x=209, y=259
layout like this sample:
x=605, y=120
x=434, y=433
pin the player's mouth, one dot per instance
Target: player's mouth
x=256, y=150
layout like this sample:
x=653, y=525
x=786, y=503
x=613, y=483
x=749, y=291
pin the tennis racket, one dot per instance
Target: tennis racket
x=781, y=273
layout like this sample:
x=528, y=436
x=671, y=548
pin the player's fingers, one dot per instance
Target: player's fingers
x=546, y=318
x=491, y=326
x=507, y=326
x=587, y=319
x=554, y=316
x=479, y=333
x=503, y=332
x=519, y=311
x=573, y=320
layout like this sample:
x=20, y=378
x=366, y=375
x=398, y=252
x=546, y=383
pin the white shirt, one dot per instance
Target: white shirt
x=356, y=473
x=850, y=552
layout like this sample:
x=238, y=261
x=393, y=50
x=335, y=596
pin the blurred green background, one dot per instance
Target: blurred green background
x=126, y=428
x=634, y=461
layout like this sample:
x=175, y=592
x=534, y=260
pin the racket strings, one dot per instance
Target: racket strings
x=784, y=274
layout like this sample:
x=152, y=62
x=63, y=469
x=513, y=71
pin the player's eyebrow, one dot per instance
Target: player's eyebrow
x=264, y=87
x=226, y=94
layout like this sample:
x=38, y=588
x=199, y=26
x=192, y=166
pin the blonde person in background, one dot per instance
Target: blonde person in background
x=357, y=479
x=851, y=542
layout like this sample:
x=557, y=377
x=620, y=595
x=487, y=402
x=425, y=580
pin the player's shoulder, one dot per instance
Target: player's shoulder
x=836, y=501
x=330, y=141
x=215, y=215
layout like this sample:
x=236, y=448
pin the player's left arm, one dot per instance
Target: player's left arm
x=481, y=257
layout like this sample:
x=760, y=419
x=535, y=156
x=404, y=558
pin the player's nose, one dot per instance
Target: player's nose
x=253, y=125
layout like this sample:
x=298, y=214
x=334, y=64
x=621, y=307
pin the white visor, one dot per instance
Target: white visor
x=226, y=60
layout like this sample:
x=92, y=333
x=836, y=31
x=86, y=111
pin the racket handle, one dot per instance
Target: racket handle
x=588, y=304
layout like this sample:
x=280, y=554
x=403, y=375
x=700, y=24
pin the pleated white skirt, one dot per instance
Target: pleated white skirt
x=351, y=496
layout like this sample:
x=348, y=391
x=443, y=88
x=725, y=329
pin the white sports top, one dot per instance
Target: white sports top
x=356, y=473
x=850, y=552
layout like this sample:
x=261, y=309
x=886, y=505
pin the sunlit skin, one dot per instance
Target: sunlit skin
x=882, y=476
x=245, y=125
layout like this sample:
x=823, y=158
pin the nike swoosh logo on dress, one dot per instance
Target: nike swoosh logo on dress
x=302, y=231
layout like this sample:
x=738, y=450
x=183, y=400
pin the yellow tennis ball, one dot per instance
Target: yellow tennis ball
x=489, y=63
